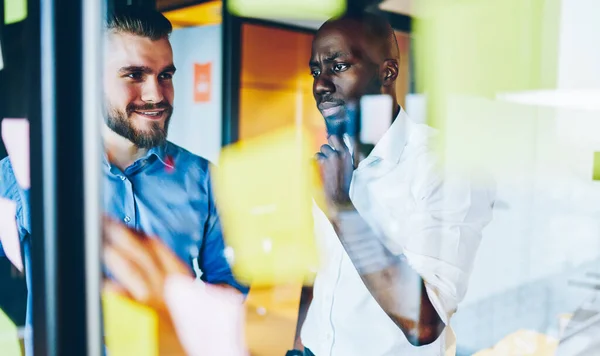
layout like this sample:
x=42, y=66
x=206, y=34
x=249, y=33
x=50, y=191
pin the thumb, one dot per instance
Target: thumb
x=337, y=142
x=112, y=287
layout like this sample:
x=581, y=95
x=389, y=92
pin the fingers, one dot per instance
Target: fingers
x=132, y=262
x=127, y=274
x=327, y=151
x=130, y=244
x=320, y=158
x=170, y=263
x=114, y=287
x=335, y=148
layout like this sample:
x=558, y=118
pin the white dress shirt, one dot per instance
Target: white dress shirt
x=435, y=223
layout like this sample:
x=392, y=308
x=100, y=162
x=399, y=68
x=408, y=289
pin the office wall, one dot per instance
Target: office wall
x=276, y=86
x=404, y=77
x=196, y=121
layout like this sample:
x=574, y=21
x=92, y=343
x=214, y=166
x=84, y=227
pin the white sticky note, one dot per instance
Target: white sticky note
x=416, y=107
x=375, y=117
x=9, y=235
x=209, y=320
x=15, y=135
x=1, y=57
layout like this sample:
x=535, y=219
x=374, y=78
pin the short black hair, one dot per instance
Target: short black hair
x=143, y=22
x=375, y=26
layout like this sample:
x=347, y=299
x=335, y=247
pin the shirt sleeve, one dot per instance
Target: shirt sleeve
x=9, y=189
x=445, y=232
x=212, y=261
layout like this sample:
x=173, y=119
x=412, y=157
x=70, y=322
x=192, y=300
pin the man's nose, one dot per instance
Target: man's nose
x=152, y=91
x=323, y=85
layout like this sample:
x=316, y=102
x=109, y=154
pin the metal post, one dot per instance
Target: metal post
x=93, y=96
x=65, y=164
x=232, y=53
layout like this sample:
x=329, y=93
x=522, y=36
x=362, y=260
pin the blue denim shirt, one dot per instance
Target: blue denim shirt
x=166, y=194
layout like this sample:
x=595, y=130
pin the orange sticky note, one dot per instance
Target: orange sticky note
x=209, y=320
x=202, y=82
x=9, y=234
x=130, y=328
x=15, y=135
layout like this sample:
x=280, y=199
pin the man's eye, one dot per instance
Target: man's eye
x=166, y=76
x=340, y=67
x=315, y=72
x=135, y=75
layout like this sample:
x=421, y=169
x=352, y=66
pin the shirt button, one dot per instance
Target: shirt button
x=127, y=219
x=123, y=178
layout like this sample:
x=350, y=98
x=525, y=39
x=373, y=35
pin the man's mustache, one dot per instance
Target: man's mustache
x=149, y=106
x=326, y=99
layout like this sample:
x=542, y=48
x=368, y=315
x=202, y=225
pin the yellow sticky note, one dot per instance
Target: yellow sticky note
x=264, y=192
x=9, y=339
x=130, y=328
x=288, y=9
x=203, y=14
x=14, y=11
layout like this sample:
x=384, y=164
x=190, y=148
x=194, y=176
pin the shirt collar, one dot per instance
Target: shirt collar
x=159, y=152
x=391, y=145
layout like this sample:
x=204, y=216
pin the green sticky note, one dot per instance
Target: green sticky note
x=9, y=339
x=288, y=9
x=14, y=11
x=483, y=48
x=596, y=167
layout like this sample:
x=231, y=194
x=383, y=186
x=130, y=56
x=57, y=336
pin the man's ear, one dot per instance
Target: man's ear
x=389, y=72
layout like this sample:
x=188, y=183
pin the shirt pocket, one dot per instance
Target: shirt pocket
x=181, y=226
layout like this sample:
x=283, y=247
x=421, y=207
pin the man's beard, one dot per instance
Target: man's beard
x=120, y=122
x=344, y=122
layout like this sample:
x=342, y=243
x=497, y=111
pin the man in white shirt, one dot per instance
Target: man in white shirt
x=398, y=237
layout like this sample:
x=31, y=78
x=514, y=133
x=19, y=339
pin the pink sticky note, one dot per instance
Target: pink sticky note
x=9, y=235
x=209, y=320
x=15, y=134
